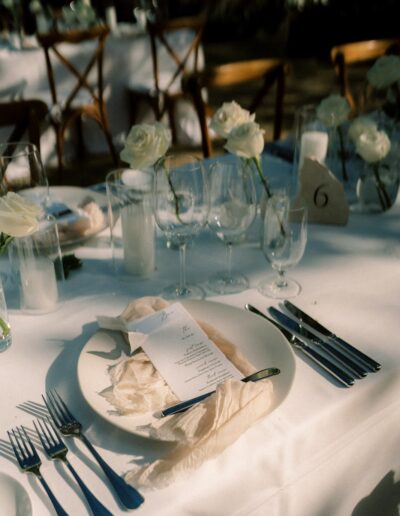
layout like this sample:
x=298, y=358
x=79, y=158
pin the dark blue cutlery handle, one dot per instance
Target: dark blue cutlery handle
x=128, y=495
x=328, y=366
x=59, y=510
x=360, y=372
x=181, y=407
x=95, y=505
x=369, y=362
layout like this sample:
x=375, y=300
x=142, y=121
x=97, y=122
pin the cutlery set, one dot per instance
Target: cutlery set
x=340, y=359
x=48, y=433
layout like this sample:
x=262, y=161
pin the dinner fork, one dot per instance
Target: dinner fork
x=29, y=461
x=69, y=425
x=55, y=449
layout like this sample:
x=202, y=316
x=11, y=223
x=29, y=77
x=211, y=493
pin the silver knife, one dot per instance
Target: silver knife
x=355, y=368
x=370, y=363
x=184, y=405
x=328, y=366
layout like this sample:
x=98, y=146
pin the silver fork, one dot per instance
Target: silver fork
x=69, y=425
x=55, y=449
x=29, y=461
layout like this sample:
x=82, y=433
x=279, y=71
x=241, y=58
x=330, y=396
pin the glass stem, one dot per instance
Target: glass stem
x=281, y=280
x=182, y=266
x=229, y=259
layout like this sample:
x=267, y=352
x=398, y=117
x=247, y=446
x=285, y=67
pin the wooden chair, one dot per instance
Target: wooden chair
x=361, y=51
x=26, y=117
x=267, y=72
x=162, y=97
x=67, y=110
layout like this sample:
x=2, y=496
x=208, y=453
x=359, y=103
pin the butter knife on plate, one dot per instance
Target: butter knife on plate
x=341, y=376
x=185, y=405
x=369, y=363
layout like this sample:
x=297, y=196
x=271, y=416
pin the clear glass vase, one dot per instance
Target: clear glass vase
x=377, y=188
x=5, y=330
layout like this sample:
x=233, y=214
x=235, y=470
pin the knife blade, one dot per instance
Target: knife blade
x=355, y=368
x=328, y=366
x=185, y=405
x=369, y=362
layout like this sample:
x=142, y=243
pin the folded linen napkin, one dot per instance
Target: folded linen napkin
x=87, y=219
x=198, y=434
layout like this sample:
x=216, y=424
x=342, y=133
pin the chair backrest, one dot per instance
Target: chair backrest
x=159, y=33
x=361, y=51
x=267, y=72
x=25, y=116
x=50, y=43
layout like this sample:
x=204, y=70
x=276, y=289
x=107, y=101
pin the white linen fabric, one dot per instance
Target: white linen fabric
x=200, y=433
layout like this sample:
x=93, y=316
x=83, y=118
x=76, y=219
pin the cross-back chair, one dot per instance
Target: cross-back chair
x=67, y=110
x=26, y=118
x=347, y=54
x=163, y=94
x=266, y=72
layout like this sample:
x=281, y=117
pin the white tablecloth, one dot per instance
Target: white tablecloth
x=325, y=451
x=127, y=61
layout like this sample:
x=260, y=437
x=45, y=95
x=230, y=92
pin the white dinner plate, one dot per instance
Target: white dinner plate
x=260, y=341
x=14, y=500
x=72, y=196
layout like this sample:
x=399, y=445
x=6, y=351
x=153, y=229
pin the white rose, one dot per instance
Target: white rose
x=146, y=144
x=333, y=110
x=373, y=146
x=18, y=216
x=361, y=125
x=384, y=72
x=246, y=140
x=229, y=116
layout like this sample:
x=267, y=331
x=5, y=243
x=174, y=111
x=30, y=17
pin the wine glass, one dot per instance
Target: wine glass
x=233, y=204
x=181, y=205
x=283, y=243
x=21, y=171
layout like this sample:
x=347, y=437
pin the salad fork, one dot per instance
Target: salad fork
x=55, y=449
x=68, y=425
x=29, y=461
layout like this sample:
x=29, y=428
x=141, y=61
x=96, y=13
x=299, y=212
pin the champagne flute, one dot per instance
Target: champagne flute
x=181, y=205
x=283, y=244
x=21, y=171
x=233, y=205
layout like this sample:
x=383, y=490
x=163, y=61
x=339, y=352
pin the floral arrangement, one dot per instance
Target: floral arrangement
x=384, y=75
x=18, y=218
x=243, y=135
x=145, y=145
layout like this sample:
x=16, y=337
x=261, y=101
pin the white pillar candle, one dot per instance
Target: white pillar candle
x=111, y=17
x=138, y=237
x=38, y=284
x=313, y=144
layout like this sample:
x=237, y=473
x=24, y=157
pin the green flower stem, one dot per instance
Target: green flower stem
x=382, y=193
x=4, y=241
x=176, y=198
x=342, y=154
x=257, y=161
x=5, y=329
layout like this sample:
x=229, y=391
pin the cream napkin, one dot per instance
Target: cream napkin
x=200, y=433
x=88, y=220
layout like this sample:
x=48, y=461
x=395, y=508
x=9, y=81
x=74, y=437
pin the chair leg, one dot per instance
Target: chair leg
x=170, y=107
x=59, y=149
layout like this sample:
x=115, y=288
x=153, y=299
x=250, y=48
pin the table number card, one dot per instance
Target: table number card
x=186, y=358
x=323, y=194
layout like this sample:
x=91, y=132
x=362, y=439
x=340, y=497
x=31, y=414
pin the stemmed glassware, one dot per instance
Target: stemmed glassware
x=181, y=205
x=233, y=205
x=283, y=244
x=21, y=171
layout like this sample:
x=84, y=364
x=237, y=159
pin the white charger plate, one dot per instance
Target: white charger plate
x=14, y=500
x=260, y=341
x=71, y=196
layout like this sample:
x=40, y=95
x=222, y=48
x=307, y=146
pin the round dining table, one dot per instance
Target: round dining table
x=324, y=449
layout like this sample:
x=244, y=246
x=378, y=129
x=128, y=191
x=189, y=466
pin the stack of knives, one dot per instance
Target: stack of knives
x=337, y=357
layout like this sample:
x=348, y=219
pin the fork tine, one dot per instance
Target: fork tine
x=26, y=439
x=63, y=405
x=52, y=409
x=11, y=436
x=40, y=434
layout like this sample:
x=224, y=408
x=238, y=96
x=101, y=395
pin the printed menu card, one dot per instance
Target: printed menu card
x=186, y=358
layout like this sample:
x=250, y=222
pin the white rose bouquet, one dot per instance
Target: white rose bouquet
x=384, y=75
x=18, y=218
x=333, y=111
x=145, y=145
x=229, y=116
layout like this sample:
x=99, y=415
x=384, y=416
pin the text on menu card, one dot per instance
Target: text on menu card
x=181, y=351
